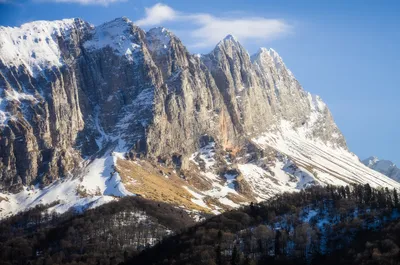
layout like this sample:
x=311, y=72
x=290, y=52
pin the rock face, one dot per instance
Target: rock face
x=70, y=91
x=40, y=105
x=386, y=167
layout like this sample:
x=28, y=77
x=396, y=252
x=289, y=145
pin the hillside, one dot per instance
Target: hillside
x=107, y=234
x=331, y=225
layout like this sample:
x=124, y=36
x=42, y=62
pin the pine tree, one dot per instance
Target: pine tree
x=347, y=189
x=277, y=243
x=219, y=236
x=395, y=198
x=235, y=256
x=367, y=193
x=218, y=257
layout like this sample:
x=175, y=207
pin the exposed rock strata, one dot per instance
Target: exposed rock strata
x=143, y=90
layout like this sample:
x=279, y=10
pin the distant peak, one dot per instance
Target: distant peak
x=370, y=161
x=373, y=158
x=230, y=37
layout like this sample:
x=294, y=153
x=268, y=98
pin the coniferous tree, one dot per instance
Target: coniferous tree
x=367, y=193
x=395, y=198
x=277, y=243
x=235, y=260
x=218, y=257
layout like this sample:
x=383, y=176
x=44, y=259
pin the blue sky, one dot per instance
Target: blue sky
x=345, y=51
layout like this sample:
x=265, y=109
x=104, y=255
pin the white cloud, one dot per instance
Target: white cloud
x=157, y=14
x=206, y=30
x=86, y=2
x=212, y=29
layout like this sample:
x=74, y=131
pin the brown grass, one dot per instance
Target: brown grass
x=238, y=199
x=149, y=181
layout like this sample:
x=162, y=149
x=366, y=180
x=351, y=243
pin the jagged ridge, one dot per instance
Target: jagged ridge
x=114, y=91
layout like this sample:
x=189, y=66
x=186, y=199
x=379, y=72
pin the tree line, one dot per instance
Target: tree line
x=109, y=234
x=292, y=228
x=319, y=225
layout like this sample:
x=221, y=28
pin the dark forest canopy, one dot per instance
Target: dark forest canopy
x=319, y=225
x=104, y=235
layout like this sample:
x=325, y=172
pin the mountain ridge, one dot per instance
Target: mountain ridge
x=115, y=99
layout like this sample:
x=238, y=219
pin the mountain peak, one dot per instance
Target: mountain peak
x=122, y=22
x=230, y=37
x=34, y=45
x=160, y=30
x=262, y=51
x=160, y=33
x=269, y=57
x=385, y=167
x=370, y=160
x=159, y=38
x=229, y=40
x=116, y=98
x=116, y=34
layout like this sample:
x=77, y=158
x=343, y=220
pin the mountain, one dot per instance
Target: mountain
x=386, y=167
x=89, y=114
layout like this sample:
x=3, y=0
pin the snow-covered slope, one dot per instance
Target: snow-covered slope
x=98, y=183
x=330, y=165
x=291, y=160
x=386, y=167
x=89, y=114
x=35, y=45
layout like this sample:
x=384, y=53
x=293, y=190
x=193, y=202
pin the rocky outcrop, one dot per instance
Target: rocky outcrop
x=68, y=90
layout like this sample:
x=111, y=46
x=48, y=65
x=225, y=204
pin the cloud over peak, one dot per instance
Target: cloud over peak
x=206, y=30
x=157, y=14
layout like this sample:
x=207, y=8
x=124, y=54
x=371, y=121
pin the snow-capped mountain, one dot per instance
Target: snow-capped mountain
x=89, y=114
x=386, y=167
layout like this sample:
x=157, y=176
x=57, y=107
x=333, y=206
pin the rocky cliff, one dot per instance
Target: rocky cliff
x=71, y=92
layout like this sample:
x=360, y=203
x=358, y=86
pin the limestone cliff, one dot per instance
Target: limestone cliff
x=69, y=89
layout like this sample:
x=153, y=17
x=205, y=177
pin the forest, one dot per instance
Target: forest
x=319, y=225
x=109, y=234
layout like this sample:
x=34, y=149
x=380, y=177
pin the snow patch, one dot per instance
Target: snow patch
x=117, y=35
x=35, y=45
x=205, y=154
x=99, y=183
